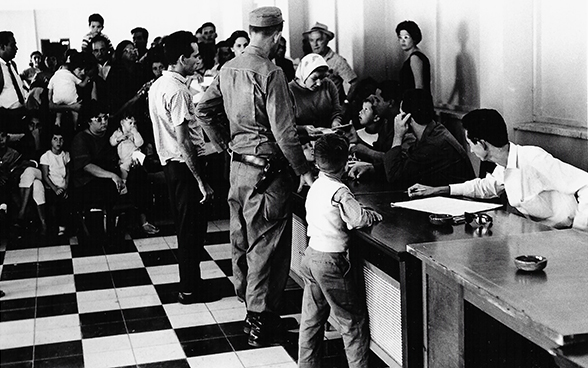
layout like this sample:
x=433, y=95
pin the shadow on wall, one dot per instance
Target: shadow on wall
x=466, y=88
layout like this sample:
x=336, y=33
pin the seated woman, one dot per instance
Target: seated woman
x=96, y=176
x=316, y=97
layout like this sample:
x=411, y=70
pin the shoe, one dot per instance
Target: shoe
x=61, y=231
x=247, y=324
x=265, y=330
x=186, y=298
x=197, y=297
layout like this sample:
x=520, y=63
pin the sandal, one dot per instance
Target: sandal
x=149, y=229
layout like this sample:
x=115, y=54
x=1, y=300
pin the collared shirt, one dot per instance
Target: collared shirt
x=339, y=71
x=8, y=96
x=537, y=185
x=170, y=105
x=437, y=159
x=253, y=93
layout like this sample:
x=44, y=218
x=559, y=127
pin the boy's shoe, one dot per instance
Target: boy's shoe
x=61, y=231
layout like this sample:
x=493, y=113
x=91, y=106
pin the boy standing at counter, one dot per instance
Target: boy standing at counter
x=332, y=211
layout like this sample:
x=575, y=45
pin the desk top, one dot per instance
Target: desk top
x=552, y=303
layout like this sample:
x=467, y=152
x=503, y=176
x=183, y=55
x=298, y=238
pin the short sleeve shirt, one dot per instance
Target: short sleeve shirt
x=57, y=166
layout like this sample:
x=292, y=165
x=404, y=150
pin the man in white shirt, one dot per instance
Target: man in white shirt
x=12, y=93
x=537, y=184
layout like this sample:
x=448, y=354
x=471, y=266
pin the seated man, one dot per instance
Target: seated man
x=96, y=176
x=435, y=159
x=538, y=185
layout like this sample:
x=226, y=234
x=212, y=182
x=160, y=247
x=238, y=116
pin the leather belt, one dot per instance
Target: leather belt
x=251, y=160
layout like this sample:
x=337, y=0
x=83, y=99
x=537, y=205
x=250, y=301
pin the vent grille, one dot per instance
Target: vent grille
x=299, y=243
x=384, y=308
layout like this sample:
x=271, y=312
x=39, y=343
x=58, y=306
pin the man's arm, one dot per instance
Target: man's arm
x=190, y=155
x=210, y=113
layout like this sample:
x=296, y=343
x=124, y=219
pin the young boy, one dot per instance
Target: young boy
x=331, y=211
x=55, y=170
x=127, y=140
x=63, y=95
x=96, y=25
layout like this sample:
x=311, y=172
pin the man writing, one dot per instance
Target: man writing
x=253, y=93
x=538, y=185
x=180, y=144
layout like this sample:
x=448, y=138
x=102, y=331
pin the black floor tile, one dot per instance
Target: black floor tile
x=206, y=347
x=17, y=314
x=19, y=271
x=93, y=281
x=168, y=293
x=57, y=305
x=144, y=312
x=85, y=250
x=87, y=319
x=232, y=328
x=103, y=329
x=120, y=246
x=158, y=258
x=55, y=268
x=19, y=365
x=222, y=287
x=130, y=277
x=181, y=363
x=58, y=350
x=148, y=324
x=239, y=342
x=76, y=361
x=15, y=355
x=17, y=304
x=226, y=266
x=218, y=237
x=199, y=333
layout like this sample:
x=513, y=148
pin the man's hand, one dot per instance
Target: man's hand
x=419, y=190
x=375, y=217
x=359, y=169
x=401, y=125
x=59, y=191
x=120, y=184
x=206, y=190
x=305, y=179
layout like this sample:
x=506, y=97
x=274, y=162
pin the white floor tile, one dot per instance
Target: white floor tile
x=21, y=256
x=191, y=320
x=210, y=270
x=228, y=302
x=151, y=244
x=16, y=340
x=106, y=344
x=172, y=241
x=50, y=323
x=224, y=360
x=124, y=261
x=164, y=274
x=90, y=264
x=55, y=285
x=54, y=253
x=219, y=251
x=229, y=315
x=109, y=359
x=97, y=300
x=264, y=357
x=18, y=289
x=223, y=225
x=57, y=335
x=159, y=353
x=177, y=309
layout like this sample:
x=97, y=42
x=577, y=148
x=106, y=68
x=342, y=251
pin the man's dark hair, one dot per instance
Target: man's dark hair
x=208, y=24
x=419, y=103
x=486, y=124
x=5, y=37
x=412, y=28
x=237, y=34
x=267, y=31
x=330, y=152
x=390, y=90
x=96, y=18
x=177, y=44
x=142, y=30
x=99, y=38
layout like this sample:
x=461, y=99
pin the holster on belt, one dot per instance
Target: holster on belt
x=273, y=168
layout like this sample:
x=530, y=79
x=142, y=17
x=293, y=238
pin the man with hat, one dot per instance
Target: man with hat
x=252, y=94
x=339, y=70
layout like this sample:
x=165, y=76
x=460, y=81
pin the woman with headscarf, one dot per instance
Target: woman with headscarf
x=416, y=70
x=316, y=97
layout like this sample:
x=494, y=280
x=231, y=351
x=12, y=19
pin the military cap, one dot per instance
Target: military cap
x=265, y=16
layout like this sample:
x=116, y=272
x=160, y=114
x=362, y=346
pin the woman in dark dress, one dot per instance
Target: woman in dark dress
x=416, y=70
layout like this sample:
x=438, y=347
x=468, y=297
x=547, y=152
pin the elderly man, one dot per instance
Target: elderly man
x=339, y=70
x=253, y=93
x=12, y=93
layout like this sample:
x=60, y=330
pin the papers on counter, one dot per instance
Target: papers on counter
x=451, y=206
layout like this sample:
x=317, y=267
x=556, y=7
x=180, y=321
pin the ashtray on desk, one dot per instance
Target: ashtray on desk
x=530, y=263
x=440, y=219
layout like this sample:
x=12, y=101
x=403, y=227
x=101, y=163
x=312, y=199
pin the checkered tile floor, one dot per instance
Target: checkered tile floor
x=82, y=305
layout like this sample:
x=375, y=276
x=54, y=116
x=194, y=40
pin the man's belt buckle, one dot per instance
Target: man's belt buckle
x=251, y=160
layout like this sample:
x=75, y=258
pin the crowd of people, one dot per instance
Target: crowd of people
x=85, y=134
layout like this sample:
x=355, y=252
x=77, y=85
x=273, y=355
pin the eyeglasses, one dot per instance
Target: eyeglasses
x=132, y=51
x=100, y=118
